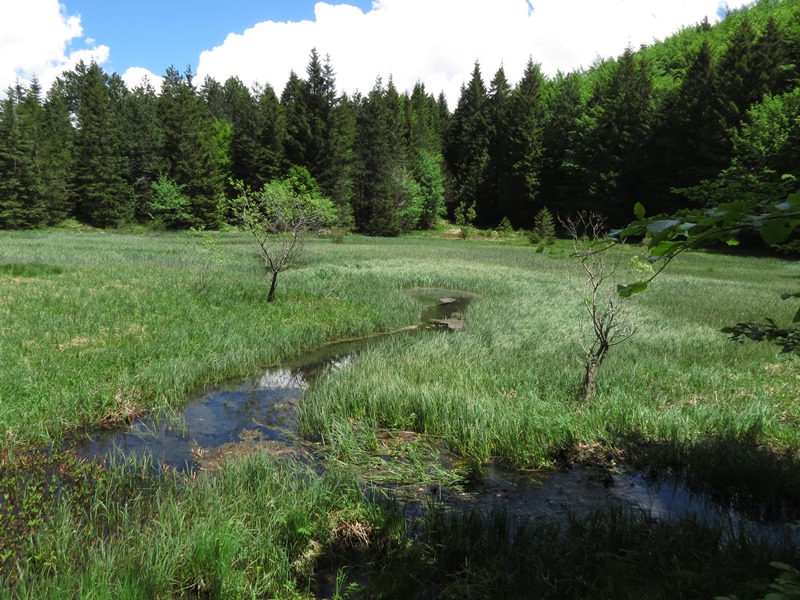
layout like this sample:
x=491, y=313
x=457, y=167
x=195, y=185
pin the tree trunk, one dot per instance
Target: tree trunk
x=589, y=380
x=593, y=362
x=272, y=286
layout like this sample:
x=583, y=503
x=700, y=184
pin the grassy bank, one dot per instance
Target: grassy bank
x=97, y=328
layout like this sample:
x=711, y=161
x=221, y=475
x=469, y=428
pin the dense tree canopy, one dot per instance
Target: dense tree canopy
x=685, y=123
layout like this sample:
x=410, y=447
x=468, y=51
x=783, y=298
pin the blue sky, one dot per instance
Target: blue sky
x=155, y=34
x=261, y=41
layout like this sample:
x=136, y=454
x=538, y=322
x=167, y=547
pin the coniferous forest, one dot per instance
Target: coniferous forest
x=702, y=117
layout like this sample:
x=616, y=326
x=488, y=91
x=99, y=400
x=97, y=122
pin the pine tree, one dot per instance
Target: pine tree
x=58, y=142
x=466, y=145
x=738, y=74
x=189, y=148
x=269, y=152
x=100, y=170
x=296, y=129
x=563, y=106
x=691, y=142
x=525, y=147
x=373, y=207
x=613, y=134
x=492, y=199
x=144, y=145
x=17, y=188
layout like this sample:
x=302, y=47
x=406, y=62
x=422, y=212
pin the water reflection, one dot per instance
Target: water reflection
x=263, y=407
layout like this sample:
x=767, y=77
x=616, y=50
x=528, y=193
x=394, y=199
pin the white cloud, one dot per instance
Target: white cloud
x=438, y=41
x=136, y=76
x=34, y=40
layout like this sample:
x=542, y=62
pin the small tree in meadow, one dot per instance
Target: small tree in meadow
x=169, y=207
x=544, y=227
x=279, y=219
x=610, y=325
x=465, y=217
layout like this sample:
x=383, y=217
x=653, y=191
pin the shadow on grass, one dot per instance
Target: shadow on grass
x=734, y=468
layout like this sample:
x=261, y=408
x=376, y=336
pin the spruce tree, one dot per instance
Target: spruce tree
x=143, y=141
x=100, y=170
x=466, y=145
x=491, y=201
x=17, y=188
x=525, y=147
x=189, y=148
x=373, y=207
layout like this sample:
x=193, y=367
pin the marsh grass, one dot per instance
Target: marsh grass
x=612, y=553
x=258, y=528
x=109, y=326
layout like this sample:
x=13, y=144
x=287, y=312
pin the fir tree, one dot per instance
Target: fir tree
x=100, y=187
x=189, y=147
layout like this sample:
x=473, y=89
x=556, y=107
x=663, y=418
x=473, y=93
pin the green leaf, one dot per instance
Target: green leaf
x=776, y=232
x=638, y=210
x=667, y=248
x=625, y=291
x=733, y=242
x=661, y=225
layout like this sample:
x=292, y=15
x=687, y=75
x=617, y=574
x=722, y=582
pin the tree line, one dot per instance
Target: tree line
x=707, y=115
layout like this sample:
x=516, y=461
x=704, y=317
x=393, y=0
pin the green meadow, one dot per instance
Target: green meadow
x=98, y=328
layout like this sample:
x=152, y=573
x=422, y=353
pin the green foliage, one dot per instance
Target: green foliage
x=169, y=207
x=544, y=228
x=465, y=217
x=428, y=176
x=192, y=148
x=505, y=227
x=279, y=219
x=668, y=237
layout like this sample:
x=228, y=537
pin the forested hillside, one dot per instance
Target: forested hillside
x=707, y=115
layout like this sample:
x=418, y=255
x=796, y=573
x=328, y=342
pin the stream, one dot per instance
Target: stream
x=262, y=412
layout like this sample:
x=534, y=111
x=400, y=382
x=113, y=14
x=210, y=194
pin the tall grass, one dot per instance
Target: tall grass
x=259, y=528
x=505, y=387
x=97, y=328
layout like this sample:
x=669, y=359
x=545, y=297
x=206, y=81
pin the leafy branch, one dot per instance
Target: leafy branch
x=668, y=237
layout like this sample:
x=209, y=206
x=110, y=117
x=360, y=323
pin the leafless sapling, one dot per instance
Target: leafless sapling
x=608, y=317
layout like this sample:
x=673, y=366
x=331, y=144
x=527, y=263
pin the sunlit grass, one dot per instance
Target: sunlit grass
x=96, y=328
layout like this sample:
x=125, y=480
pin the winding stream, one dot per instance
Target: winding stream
x=264, y=410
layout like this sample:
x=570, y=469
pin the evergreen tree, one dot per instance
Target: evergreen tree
x=311, y=138
x=613, y=134
x=525, y=147
x=691, y=142
x=772, y=59
x=563, y=107
x=738, y=74
x=245, y=147
x=100, y=170
x=424, y=121
x=492, y=200
x=18, y=186
x=57, y=148
x=466, y=145
x=373, y=207
x=295, y=126
x=190, y=150
x=143, y=141
x=268, y=127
